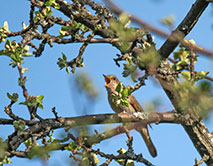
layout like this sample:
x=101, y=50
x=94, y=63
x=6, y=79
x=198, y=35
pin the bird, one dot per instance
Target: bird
x=111, y=82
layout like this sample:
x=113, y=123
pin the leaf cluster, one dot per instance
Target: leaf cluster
x=15, y=52
x=182, y=56
x=125, y=33
x=39, y=15
x=19, y=125
x=120, y=95
x=13, y=97
x=196, y=97
x=63, y=63
x=52, y=3
x=33, y=101
x=73, y=28
x=3, y=31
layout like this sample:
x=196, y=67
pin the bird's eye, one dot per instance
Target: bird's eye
x=113, y=78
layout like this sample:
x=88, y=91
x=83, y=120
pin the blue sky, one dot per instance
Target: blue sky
x=173, y=144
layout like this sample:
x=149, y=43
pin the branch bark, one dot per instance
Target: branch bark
x=16, y=139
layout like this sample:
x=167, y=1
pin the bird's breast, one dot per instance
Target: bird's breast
x=120, y=108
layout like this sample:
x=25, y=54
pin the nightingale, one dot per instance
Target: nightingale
x=111, y=82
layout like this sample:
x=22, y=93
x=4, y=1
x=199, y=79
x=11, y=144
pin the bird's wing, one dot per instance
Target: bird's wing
x=134, y=103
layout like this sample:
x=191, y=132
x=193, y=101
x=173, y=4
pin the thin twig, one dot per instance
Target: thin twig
x=187, y=68
x=191, y=66
x=8, y=111
x=141, y=83
x=25, y=93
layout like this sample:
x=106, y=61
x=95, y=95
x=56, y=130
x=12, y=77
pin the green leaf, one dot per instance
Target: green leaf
x=39, y=98
x=33, y=101
x=22, y=81
x=2, y=52
x=6, y=27
x=23, y=25
x=196, y=58
x=186, y=75
x=125, y=93
x=83, y=28
x=28, y=142
x=149, y=57
x=41, y=106
x=39, y=101
x=125, y=103
x=13, y=97
x=73, y=146
x=64, y=56
x=183, y=62
x=95, y=158
x=129, y=69
x=13, y=57
x=19, y=125
x=23, y=102
x=67, y=70
x=119, y=87
x=178, y=67
x=124, y=19
x=48, y=3
x=61, y=63
x=124, y=46
x=57, y=6
x=200, y=75
x=9, y=96
x=47, y=12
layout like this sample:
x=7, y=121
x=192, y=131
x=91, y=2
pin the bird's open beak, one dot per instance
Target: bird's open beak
x=107, y=80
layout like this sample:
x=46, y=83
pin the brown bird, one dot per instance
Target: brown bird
x=111, y=82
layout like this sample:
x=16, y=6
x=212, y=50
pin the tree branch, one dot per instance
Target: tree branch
x=197, y=131
x=187, y=68
x=184, y=28
x=142, y=119
x=177, y=35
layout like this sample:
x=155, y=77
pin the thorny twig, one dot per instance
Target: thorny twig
x=141, y=83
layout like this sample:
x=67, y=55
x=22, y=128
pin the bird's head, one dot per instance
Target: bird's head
x=111, y=82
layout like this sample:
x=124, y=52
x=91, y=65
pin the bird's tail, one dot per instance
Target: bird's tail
x=145, y=134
